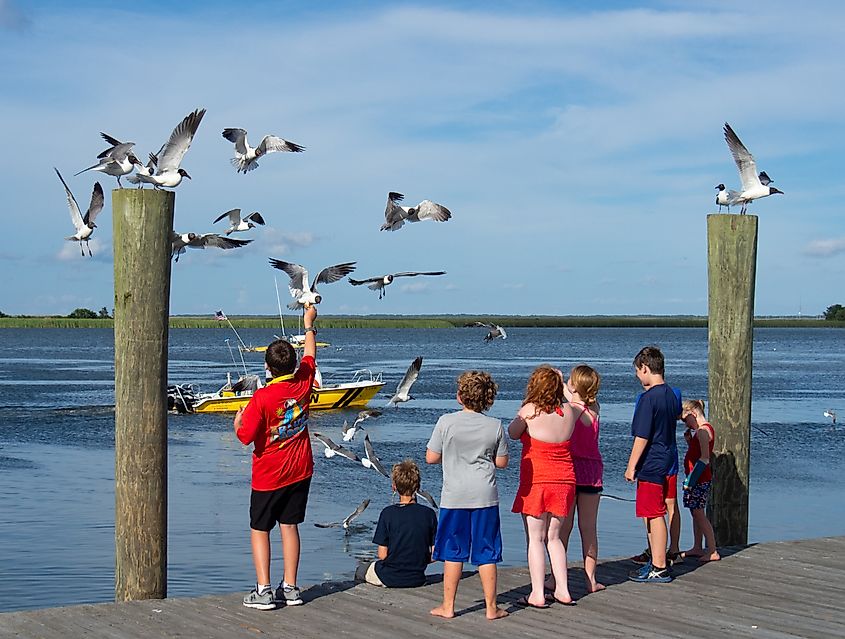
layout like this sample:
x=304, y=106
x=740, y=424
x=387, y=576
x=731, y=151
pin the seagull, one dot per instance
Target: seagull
x=237, y=224
x=765, y=180
x=427, y=496
x=84, y=225
x=404, y=387
x=299, y=289
x=379, y=283
x=395, y=216
x=169, y=173
x=371, y=461
x=331, y=448
x=246, y=158
x=349, y=431
x=722, y=198
x=117, y=161
x=348, y=520
x=495, y=331
x=831, y=415
x=752, y=187
x=192, y=240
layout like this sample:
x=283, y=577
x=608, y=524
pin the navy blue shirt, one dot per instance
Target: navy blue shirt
x=408, y=532
x=655, y=417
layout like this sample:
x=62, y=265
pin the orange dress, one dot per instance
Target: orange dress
x=546, y=478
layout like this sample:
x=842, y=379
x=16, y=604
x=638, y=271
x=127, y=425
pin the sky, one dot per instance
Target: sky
x=577, y=146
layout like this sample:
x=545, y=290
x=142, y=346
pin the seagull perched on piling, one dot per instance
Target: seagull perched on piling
x=179, y=241
x=379, y=283
x=117, y=161
x=395, y=215
x=246, y=158
x=349, y=431
x=722, y=198
x=752, y=186
x=300, y=291
x=169, y=172
x=236, y=224
x=403, y=389
x=84, y=225
x=349, y=518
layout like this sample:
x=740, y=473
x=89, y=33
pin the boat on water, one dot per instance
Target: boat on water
x=233, y=395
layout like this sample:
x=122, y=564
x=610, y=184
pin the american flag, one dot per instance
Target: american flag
x=220, y=316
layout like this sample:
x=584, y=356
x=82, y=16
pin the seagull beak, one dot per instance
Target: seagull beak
x=188, y=176
x=773, y=190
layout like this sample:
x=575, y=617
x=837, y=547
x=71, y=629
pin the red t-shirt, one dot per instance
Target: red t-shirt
x=276, y=421
x=694, y=454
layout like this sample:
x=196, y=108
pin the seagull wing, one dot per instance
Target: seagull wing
x=118, y=152
x=375, y=462
x=180, y=141
x=394, y=215
x=109, y=139
x=333, y=273
x=97, y=201
x=411, y=375
x=428, y=497
x=273, y=144
x=326, y=441
x=428, y=210
x=502, y=332
x=743, y=158
x=370, y=412
x=234, y=216
x=75, y=215
x=415, y=273
x=369, y=280
x=255, y=216
x=217, y=241
x=297, y=273
x=333, y=524
x=355, y=513
x=238, y=137
x=765, y=180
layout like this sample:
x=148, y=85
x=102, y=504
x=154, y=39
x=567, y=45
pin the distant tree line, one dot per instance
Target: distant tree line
x=835, y=313
x=87, y=313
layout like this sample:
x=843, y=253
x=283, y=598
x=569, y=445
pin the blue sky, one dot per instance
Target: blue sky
x=576, y=144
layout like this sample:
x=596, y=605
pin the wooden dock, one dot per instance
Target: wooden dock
x=777, y=590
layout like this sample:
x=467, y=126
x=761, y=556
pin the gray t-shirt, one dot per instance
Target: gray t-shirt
x=469, y=444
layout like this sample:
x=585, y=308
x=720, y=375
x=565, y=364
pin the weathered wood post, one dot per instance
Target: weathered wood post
x=143, y=222
x=732, y=268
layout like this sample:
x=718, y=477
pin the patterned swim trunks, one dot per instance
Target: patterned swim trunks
x=695, y=498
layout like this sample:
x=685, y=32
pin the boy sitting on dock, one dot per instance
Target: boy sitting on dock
x=275, y=421
x=404, y=535
x=470, y=446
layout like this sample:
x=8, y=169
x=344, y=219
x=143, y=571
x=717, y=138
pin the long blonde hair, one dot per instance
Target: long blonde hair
x=586, y=381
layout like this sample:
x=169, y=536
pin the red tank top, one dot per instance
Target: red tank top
x=545, y=462
x=694, y=453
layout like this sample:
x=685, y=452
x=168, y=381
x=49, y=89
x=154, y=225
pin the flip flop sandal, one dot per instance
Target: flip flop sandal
x=523, y=601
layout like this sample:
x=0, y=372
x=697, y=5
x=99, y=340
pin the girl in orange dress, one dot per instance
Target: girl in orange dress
x=546, y=492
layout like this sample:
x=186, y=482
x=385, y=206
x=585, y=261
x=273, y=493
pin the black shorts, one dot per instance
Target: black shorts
x=284, y=505
x=588, y=490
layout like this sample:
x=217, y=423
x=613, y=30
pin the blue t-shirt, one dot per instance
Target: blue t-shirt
x=408, y=532
x=655, y=416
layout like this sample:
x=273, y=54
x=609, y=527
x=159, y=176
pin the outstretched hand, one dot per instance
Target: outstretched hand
x=309, y=315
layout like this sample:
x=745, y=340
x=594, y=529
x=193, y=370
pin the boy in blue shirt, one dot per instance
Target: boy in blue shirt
x=652, y=456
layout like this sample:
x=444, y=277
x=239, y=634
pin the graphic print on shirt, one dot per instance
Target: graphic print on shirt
x=292, y=419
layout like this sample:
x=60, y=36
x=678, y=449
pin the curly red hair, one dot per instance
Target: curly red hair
x=544, y=389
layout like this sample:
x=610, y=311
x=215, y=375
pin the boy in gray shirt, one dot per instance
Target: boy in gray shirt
x=470, y=446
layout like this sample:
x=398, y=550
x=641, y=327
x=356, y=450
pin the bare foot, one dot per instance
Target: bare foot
x=563, y=597
x=442, y=611
x=595, y=587
x=496, y=613
x=710, y=556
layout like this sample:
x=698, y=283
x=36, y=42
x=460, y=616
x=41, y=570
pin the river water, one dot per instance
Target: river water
x=57, y=447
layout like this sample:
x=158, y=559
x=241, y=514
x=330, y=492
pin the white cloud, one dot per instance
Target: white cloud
x=415, y=287
x=100, y=251
x=825, y=248
x=280, y=243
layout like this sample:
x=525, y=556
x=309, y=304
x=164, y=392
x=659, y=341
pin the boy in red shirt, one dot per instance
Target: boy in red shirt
x=275, y=421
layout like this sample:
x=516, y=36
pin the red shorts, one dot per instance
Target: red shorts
x=651, y=498
x=672, y=490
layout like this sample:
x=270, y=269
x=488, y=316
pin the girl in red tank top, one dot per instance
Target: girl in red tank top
x=546, y=492
x=700, y=437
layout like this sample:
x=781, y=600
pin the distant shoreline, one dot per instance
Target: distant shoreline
x=430, y=321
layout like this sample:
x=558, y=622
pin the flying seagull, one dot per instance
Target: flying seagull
x=752, y=187
x=237, y=224
x=395, y=215
x=169, y=172
x=349, y=431
x=371, y=461
x=331, y=448
x=349, y=518
x=246, y=158
x=831, y=415
x=428, y=497
x=84, y=225
x=192, y=240
x=379, y=283
x=494, y=332
x=765, y=180
x=403, y=389
x=300, y=291
x=722, y=198
x=117, y=161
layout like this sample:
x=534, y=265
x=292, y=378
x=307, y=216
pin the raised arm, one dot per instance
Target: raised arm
x=308, y=317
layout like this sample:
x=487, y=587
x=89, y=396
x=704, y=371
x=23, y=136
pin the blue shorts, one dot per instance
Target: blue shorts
x=469, y=534
x=695, y=498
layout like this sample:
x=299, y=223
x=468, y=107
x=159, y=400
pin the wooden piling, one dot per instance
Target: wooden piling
x=732, y=267
x=143, y=223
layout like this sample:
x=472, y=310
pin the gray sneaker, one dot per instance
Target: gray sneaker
x=260, y=600
x=288, y=595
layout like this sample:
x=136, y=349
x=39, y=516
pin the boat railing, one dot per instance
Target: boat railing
x=366, y=375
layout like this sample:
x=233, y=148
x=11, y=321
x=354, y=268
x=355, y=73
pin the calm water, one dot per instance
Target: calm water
x=57, y=447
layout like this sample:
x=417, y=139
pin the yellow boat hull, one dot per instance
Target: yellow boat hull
x=351, y=395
